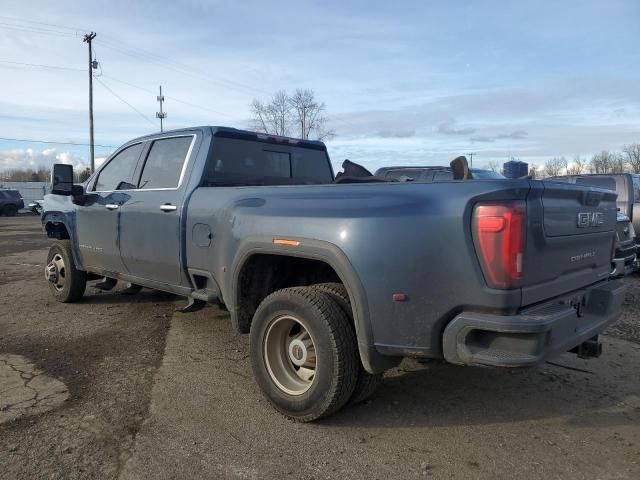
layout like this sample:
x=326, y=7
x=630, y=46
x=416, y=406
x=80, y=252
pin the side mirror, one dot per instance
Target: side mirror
x=62, y=179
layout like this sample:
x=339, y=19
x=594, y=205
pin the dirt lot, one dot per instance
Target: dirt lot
x=121, y=387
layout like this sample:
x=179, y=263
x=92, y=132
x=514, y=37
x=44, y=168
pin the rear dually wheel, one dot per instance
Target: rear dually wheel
x=303, y=353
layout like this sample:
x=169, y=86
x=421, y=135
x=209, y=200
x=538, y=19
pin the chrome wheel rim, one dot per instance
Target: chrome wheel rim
x=55, y=272
x=290, y=355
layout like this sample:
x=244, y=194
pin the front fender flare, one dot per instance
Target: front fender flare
x=68, y=220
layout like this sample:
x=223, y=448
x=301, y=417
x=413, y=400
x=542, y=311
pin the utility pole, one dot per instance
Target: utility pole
x=161, y=115
x=471, y=158
x=88, y=38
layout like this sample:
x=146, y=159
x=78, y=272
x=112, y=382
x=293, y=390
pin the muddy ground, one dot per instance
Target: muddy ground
x=123, y=387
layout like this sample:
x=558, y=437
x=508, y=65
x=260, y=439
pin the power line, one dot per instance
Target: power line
x=124, y=101
x=217, y=112
x=31, y=26
x=24, y=20
x=177, y=67
x=38, y=65
x=11, y=63
x=53, y=142
x=27, y=29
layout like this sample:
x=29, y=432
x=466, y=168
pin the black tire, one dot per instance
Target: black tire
x=335, y=352
x=366, y=384
x=10, y=210
x=74, y=280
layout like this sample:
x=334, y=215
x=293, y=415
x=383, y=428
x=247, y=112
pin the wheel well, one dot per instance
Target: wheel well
x=263, y=274
x=57, y=230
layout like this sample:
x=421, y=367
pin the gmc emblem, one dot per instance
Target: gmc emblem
x=590, y=219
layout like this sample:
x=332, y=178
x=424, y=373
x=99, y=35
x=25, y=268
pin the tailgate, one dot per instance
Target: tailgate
x=569, y=239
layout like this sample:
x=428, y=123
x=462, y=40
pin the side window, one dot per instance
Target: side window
x=164, y=163
x=636, y=189
x=118, y=173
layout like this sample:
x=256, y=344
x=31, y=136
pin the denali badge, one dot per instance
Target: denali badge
x=582, y=256
x=590, y=219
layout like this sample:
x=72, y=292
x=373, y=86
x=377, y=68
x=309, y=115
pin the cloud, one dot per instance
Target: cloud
x=448, y=128
x=20, y=158
x=515, y=135
x=397, y=133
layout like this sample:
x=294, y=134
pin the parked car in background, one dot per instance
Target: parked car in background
x=10, y=202
x=334, y=281
x=626, y=185
x=36, y=206
x=428, y=174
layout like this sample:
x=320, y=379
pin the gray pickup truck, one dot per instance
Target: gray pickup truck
x=337, y=281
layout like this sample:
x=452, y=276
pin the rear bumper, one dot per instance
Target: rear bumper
x=535, y=334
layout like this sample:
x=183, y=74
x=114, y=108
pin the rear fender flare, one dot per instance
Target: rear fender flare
x=332, y=255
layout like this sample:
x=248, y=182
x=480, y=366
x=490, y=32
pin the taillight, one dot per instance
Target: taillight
x=498, y=231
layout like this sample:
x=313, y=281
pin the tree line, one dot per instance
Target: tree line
x=40, y=174
x=626, y=160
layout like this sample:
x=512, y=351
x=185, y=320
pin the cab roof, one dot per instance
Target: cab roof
x=229, y=132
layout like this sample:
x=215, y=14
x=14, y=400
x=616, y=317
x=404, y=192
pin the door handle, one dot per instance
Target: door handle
x=168, y=207
x=112, y=206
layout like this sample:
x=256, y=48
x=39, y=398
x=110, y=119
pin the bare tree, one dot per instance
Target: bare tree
x=632, y=156
x=274, y=117
x=577, y=166
x=494, y=166
x=618, y=163
x=83, y=175
x=42, y=174
x=309, y=115
x=607, y=162
x=300, y=115
x=554, y=166
x=533, y=170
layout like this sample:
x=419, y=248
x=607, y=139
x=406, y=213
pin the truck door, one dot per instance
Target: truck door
x=97, y=220
x=150, y=222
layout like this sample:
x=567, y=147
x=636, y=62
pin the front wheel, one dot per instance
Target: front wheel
x=303, y=353
x=66, y=282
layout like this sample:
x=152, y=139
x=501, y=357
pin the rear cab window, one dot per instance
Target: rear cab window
x=243, y=162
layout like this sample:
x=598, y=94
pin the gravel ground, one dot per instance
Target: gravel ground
x=121, y=387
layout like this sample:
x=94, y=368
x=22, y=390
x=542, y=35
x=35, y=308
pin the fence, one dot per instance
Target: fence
x=30, y=191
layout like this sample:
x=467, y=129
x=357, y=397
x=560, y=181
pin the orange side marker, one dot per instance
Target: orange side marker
x=284, y=241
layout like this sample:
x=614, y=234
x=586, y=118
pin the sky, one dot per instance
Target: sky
x=404, y=82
